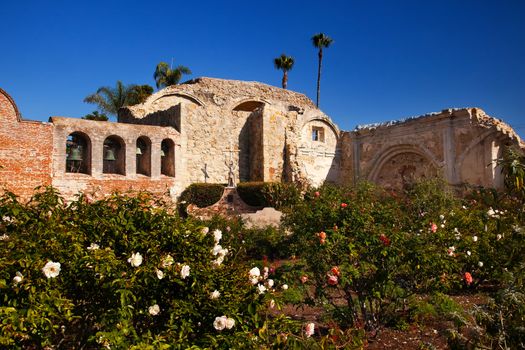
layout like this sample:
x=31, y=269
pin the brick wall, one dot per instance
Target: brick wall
x=25, y=150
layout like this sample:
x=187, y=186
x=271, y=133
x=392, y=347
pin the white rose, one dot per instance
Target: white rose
x=309, y=329
x=215, y=294
x=261, y=288
x=498, y=236
x=51, y=269
x=272, y=304
x=160, y=274
x=220, y=323
x=468, y=252
x=254, y=272
x=475, y=238
x=217, y=235
x=135, y=260
x=18, y=278
x=184, y=271
x=285, y=286
x=266, y=270
x=480, y=264
x=154, y=310
x=254, y=280
x=217, y=249
x=93, y=246
x=270, y=283
x=230, y=322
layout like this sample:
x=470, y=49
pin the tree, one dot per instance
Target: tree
x=110, y=100
x=165, y=76
x=285, y=63
x=320, y=41
x=95, y=115
x=139, y=93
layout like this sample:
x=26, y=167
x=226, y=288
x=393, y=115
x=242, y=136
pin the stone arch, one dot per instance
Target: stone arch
x=324, y=120
x=247, y=114
x=398, y=165
x=16, y=113
x=143, y=156
x=184, y=95
x=248, y=104
x=78, y=153
x=114, y=155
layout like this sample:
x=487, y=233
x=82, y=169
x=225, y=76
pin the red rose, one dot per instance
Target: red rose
x=384, y=239
x=317, y=194
x=344, y=205
x=332, y=280
x=335, y=270
x=468, y=278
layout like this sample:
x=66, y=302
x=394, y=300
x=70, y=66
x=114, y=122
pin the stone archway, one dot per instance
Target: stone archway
x=402, y=165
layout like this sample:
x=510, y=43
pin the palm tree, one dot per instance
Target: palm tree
x=140, y=93
x=110, y=100
x=95, y=115
x=165, y=76
x=285, y=63
x=320, y=41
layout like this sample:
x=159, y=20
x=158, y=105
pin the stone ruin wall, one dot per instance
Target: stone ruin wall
x=460, y=145
x=25, y=150
x=263, y=124
x=271, y=132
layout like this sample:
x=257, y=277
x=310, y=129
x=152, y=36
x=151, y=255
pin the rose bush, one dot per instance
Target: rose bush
x=126, y=272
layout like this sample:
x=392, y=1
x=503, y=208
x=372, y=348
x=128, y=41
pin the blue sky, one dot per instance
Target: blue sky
x=390, y=59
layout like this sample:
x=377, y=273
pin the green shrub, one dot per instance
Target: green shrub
x=252, y=193
x=200, y=194
x=131, y=275
x=269, y=194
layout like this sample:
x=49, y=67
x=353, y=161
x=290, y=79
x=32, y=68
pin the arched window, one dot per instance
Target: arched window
x=114, y=156
x=78, y=153
x=143, y=153
x=167, y=158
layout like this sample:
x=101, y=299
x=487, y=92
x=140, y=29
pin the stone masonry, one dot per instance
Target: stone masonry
x=187, y=133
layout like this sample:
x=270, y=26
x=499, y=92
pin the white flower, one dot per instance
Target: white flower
x=4, y=237
x=154, y=310
x=51, y=269
x=272, y=304
x=217, y=249
x=442, y=225
x=285, y=286
x=135, y=260
x=220, y=323
x=442, y=217
x=480, y=264
x=217, y=235
x=499, y=236
x=217, y=262
x=270, y=283
x=205, y=230
x=255, y=272
x=475, y=238
x=261, y=288
x=230, y=322
x=468, y=252
x=184, y=271
x=167, y=261
x=7, y=218
x=215, y=294
x=265, y=272
x=451, y=251
x=160, y=274
x=93, y=246
x=18, y=278
x=309, y=329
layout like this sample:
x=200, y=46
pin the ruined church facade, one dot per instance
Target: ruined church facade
x=196, y=131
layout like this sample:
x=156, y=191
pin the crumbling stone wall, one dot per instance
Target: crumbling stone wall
x=25, y=150
x=190, y=131
x=460, y=145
